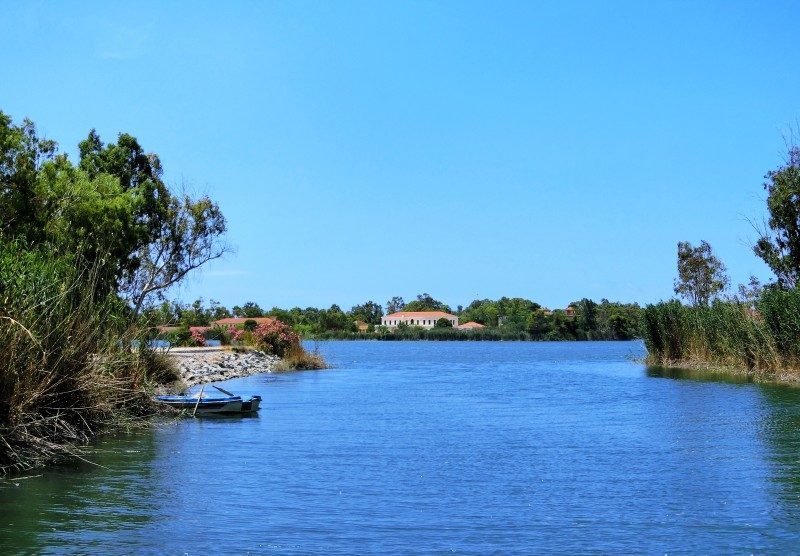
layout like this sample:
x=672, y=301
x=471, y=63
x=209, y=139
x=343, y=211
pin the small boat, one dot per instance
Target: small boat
x=203, y=404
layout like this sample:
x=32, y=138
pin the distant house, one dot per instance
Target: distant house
x=239, y=321
x=424, y=319
x=471, y=325
x=570, y=311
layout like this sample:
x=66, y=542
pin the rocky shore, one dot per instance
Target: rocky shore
x=213, y=364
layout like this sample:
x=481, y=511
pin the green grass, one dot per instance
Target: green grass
x=762, y=340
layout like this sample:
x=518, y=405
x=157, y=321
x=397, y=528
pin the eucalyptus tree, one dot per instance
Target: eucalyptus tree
x=779, y=245
x=701, y=275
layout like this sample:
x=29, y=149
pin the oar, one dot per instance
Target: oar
x=199, y=397
x=224, y=391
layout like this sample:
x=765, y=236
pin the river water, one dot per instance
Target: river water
x=441, y=447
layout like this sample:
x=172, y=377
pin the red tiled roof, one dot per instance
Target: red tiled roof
x=420, y=314
x=241, y=320
x=471, y=324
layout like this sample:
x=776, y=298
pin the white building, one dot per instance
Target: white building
x=424, y=319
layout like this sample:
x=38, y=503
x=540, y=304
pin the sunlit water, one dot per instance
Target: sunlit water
x=441, y=447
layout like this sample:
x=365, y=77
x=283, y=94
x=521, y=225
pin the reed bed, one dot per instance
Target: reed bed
x=761, y=338
x=66, y=367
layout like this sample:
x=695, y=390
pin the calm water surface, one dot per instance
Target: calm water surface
x=428, y=447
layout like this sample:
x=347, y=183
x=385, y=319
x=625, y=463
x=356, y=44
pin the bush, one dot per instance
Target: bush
x=296, y=358
x=276, y=337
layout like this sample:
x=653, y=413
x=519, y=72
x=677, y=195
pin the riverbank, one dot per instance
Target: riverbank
x=692, y=368
x=202, y=365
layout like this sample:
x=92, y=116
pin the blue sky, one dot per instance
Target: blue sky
x=362, y=150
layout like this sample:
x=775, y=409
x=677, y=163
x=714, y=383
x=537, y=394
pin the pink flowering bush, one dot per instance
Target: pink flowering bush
x=276, y=337
x=198, y=337
x=235, y=333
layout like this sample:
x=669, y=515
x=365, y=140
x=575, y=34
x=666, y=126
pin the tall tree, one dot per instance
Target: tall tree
x=22, y=153
x=394, y=305
x=425, y=302
x=701, y=275
x=176, y=234
x=779, y=246
x=190, y=237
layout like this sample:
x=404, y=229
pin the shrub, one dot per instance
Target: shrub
x=197, y=337
x=276, y=337
x=296, y=358
x=235, y=334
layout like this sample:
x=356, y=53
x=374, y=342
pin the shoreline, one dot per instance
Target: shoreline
x=711, y=370
x=202, y=365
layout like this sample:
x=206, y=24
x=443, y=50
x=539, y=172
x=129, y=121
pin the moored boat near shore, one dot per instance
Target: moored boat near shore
x=199, y=404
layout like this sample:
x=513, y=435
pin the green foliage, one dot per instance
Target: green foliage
x=394, y=305
x=726, y=333
x=425, y=302
x=779, y=246
x=521, y=319
x=701, y=275
x=250, y=310
x=370, y=312
x=114, y=207
x=82, y=249
x=443, y=323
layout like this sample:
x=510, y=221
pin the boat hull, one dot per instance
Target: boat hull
x=212, y=405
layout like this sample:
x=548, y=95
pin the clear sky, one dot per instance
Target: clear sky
x=362, y=150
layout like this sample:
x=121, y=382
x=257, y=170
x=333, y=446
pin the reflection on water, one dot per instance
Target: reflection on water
x=82, y=500
x=698, y=374
x=423, y=447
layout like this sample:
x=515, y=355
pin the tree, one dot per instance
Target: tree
x=483, y=311
x=189, y=238
x=113, y=210
x=443, y=323
x=425, y=302
x=335, y=319
x=701, y=275
x=394, y=305
x=370, y=312
x=249, y=310
x=218, y=311
x=22, y=154
x=587, y=316
x=779, y=246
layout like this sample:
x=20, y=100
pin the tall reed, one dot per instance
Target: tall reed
x=729, y=334
x=66, y=368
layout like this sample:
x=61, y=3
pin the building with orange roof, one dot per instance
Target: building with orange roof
x=423, y=319
x=471, y=325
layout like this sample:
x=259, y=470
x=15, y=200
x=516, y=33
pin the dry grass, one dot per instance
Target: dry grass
x=296, y=358
x=66, y=369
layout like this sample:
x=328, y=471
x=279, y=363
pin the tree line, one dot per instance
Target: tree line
x=517, y=318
